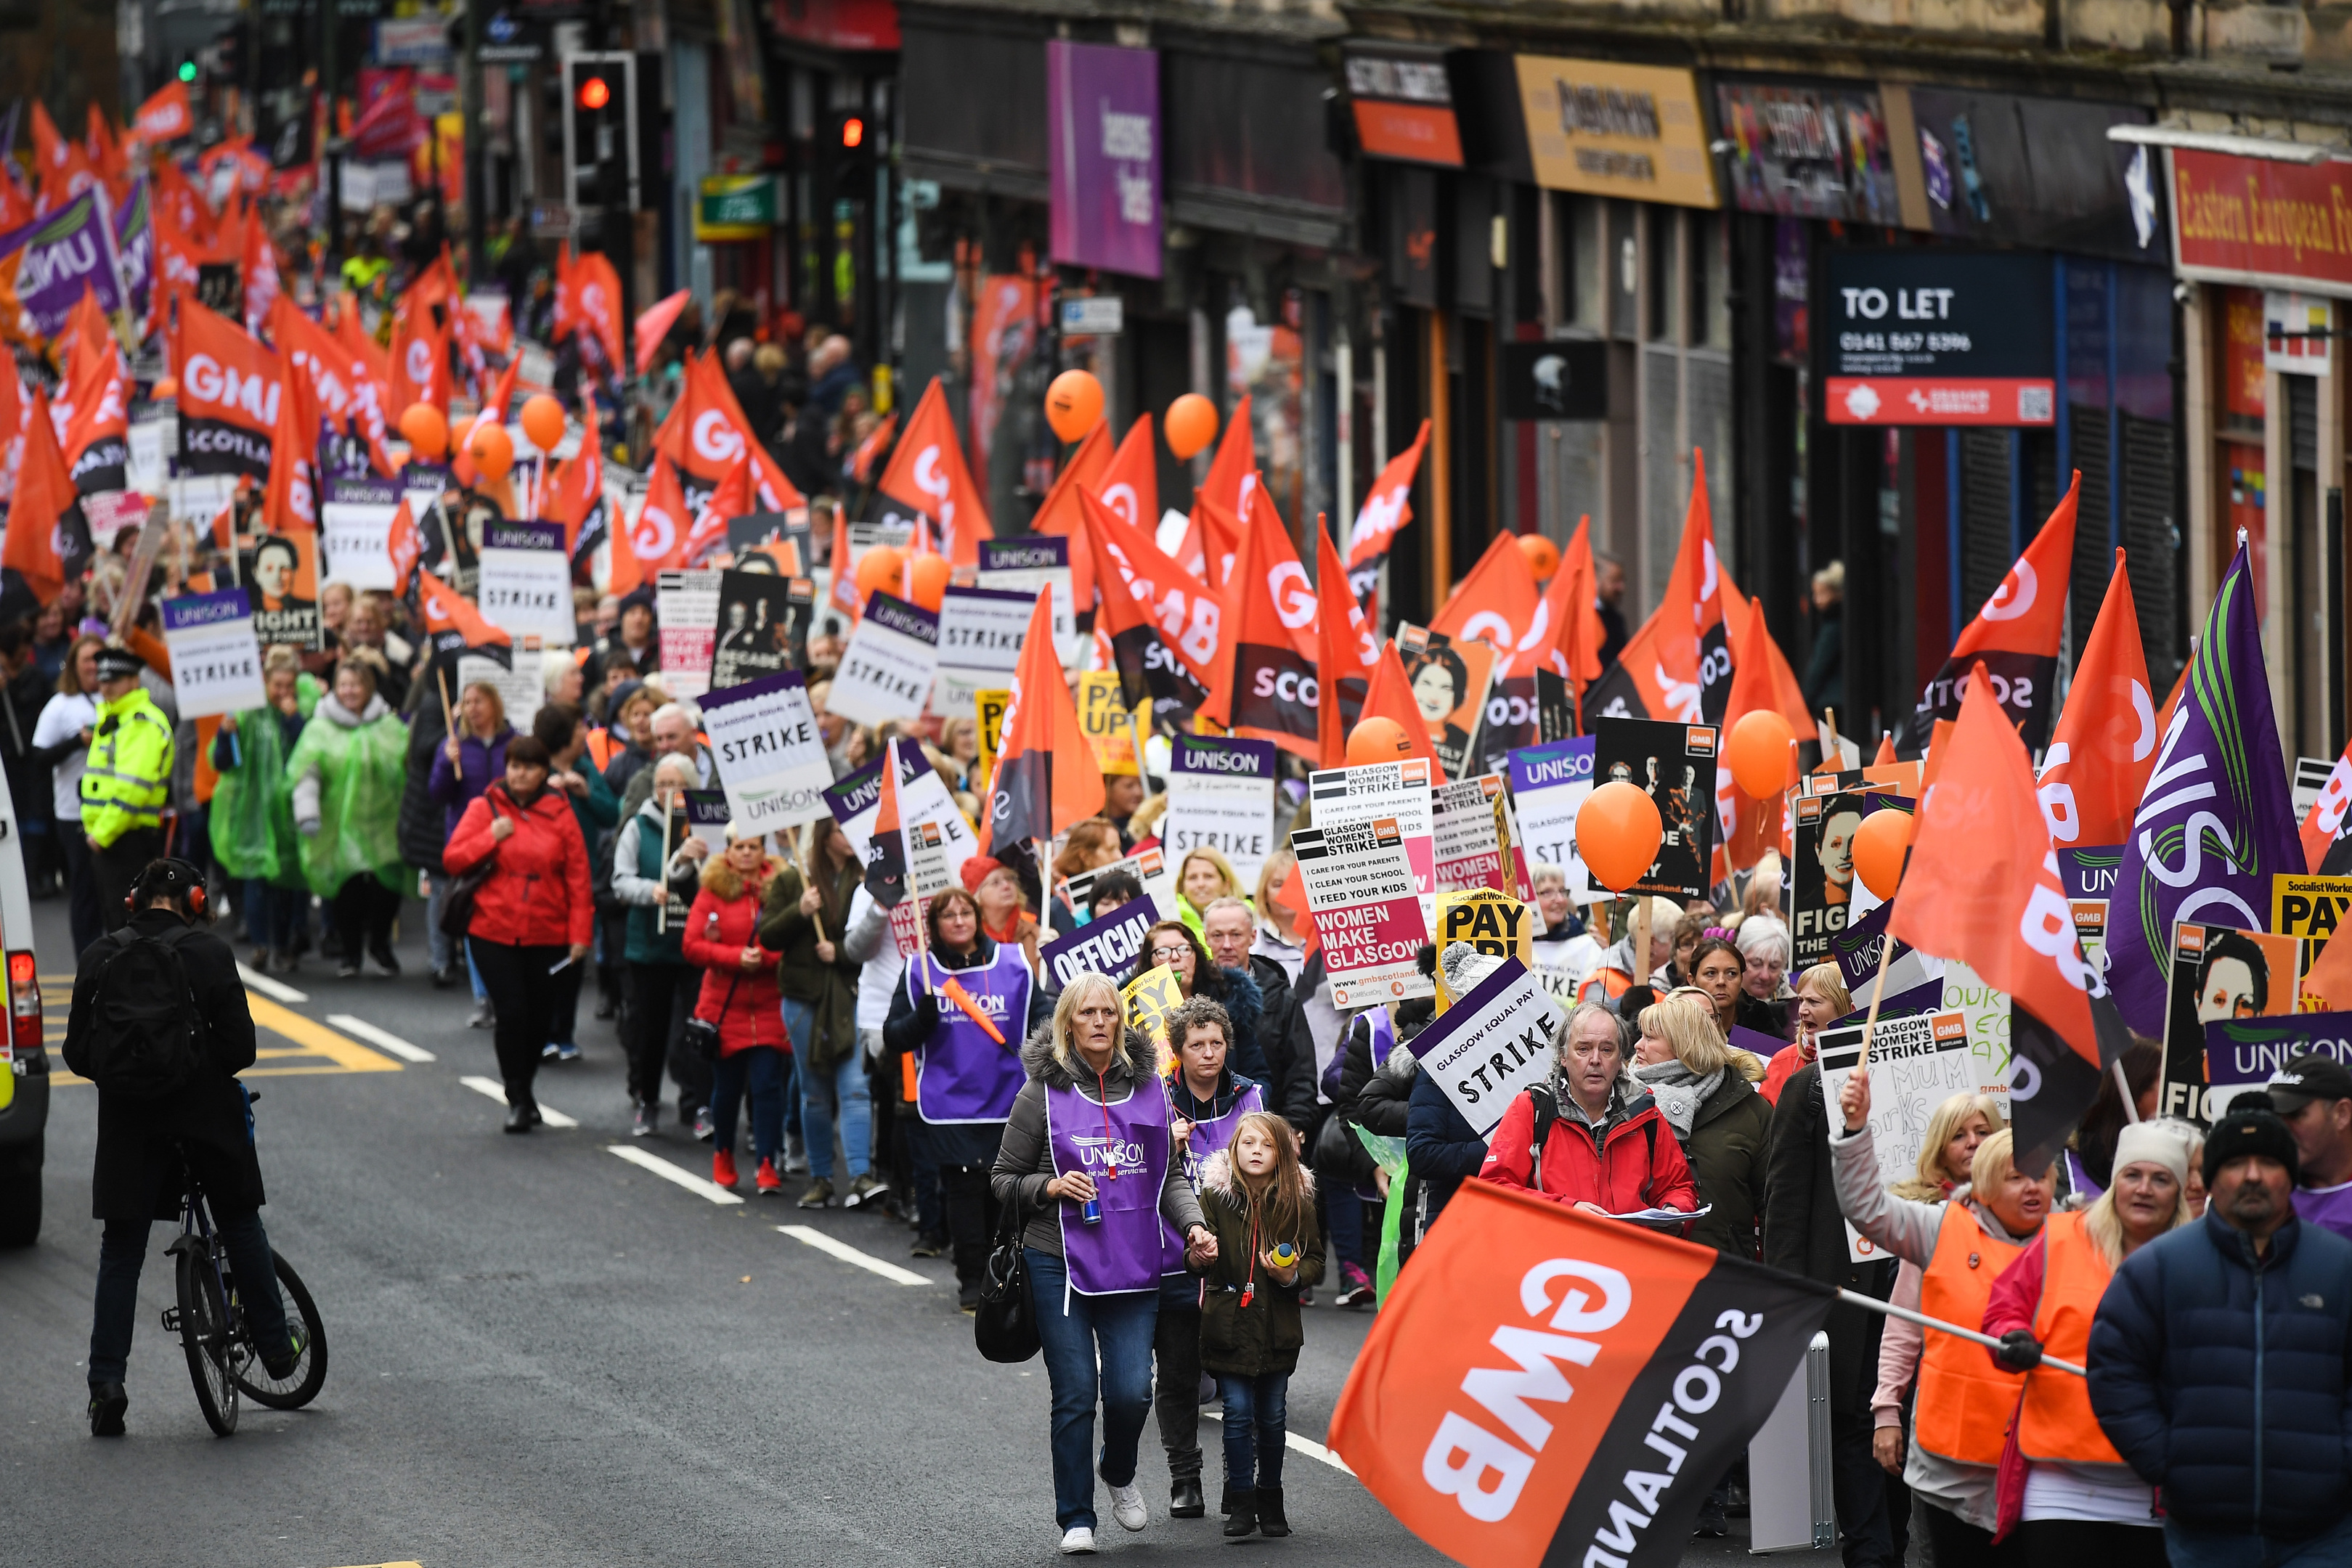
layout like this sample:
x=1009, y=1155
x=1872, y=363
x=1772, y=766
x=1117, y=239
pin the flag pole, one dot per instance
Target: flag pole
x=661, y=909
x=1878, y=996
x=1873, y=1304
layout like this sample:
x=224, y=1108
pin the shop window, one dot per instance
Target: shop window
x=1710, y=277
x=1583, y=301
x=1664, y=230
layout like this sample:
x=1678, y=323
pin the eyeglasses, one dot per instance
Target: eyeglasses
x=1170, y=955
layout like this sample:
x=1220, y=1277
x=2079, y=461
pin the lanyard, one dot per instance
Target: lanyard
x=1110, y=1141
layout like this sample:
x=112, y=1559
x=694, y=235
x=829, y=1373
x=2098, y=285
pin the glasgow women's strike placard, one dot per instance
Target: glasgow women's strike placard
x=1359, y=893
x=686, y=604
x=770, y=759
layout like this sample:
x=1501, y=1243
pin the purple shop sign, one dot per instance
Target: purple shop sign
x=1102, y=131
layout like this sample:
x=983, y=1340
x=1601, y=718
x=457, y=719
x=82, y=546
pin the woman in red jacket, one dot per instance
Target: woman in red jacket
x=533, y=916
x=1608, y=1151
x=739, y=995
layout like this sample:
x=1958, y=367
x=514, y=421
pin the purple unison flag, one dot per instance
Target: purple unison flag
x=2216, y=822
x=58, y=256
x=1102, y=133
x=134, y=240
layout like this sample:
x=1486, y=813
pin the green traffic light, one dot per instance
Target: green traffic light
x=187, y=70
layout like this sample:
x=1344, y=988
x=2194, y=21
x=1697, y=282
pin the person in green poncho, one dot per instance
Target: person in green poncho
x=346, y=775
x=252, y=814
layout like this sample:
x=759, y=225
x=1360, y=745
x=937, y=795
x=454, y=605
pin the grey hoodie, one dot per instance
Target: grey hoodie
x=1024, y=1163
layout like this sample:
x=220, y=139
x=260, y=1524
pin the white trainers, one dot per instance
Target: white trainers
x=1077, y=1541
x=1127, y=1507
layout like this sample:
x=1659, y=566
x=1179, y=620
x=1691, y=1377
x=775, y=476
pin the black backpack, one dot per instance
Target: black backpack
x=145, y=1039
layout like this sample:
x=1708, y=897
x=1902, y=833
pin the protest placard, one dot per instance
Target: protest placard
x=771, y=761
x=1493, y=922
x=1148, y=865
x=2088, y=874
x=989, y=707
x=282, y=573
x=1450, y=681
x=1675, y=764
x=1108, y=724
x=1151, y=997
x=1548, y=782
x=706, y=812
x=887, y=669
x=981, y=633
x=1221, y=797
x=922, y=797
x=1366, y=914
x=1023, y=566
x=355, y=538
x=1105, y=946
x=686, y=606
x=1855, y=951
x=2240, y=1054
x=1915, y=1064
x=216, y=661
x=1821, y=871
x=757, y=618
x=1396, y=791
x=1494, y=1043
x=2310, y=907
x=521, y=691
x=526, y=581
x=2218, y=973
x=1472, y=839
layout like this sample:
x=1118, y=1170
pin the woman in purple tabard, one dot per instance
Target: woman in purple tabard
x=1087, y=1154
x=966, y=1075
x=1207, y=1099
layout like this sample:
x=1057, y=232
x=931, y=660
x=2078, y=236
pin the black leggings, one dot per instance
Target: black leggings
x=524, y=996
x=1957, y=1543
x=365, y=910
x=656, y=999
x=2073, y=1542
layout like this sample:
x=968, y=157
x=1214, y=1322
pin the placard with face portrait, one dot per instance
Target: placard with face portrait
x=1450, y=681
x=2219, y=972
x=282, y=574
x=1822, y=869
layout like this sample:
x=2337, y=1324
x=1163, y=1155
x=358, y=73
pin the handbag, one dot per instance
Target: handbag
x=458, y=907
x=702, y=1034
x=1004, y=1324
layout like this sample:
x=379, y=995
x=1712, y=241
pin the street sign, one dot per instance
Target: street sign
x=1093, y=316
x=736, y=206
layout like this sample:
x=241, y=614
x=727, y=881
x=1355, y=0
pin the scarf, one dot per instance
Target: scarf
x=1679, y=1091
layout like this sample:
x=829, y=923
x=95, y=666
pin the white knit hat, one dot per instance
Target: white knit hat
x=2156, y=1144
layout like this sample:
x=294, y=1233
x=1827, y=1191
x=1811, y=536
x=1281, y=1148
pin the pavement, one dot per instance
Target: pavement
x=560, y=1349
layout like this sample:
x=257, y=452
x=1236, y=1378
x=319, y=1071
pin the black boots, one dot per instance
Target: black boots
x=107, y=1403
x=1270, y=1520
x=1185, y=1500
x=1241, y=1514
x=1252, y=1512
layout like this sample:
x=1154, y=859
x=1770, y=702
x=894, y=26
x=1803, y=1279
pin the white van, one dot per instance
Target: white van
x=25, y=1085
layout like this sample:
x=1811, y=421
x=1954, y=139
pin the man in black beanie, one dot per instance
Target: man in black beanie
x=2217, y=1363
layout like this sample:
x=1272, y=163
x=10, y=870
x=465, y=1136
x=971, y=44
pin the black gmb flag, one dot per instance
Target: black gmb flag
x=1543, y=1386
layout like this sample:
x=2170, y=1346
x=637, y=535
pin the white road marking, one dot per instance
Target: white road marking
x=497, y=1092
x=848, y=1254
x=1307, y=1446
x=375, y=1036
x=276, y=991
x=668, y=1172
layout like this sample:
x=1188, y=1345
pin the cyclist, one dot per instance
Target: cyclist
x=144, y=1140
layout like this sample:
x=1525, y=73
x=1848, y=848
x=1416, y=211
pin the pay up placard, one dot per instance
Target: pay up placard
x=1366, y=914
x=887, y=669
x=1492, y=1044
x=526, y=581
x=770, y=759
x=215, y=659
x=1915, y=1064
x=1221, y=797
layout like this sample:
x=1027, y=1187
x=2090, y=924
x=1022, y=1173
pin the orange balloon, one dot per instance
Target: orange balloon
x=167, y=387
x=426, y=431
x=1074, y=404
x=492, y=450
x=1757, y=750
x=880, y=570
x=1542, y=556
x=542, y=421
x=1378, y=739
x=1617, y=831
x=1879, y=845
x=1191, y=425
x=927, y=580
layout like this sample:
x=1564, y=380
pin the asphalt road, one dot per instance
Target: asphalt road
x=541, y=1354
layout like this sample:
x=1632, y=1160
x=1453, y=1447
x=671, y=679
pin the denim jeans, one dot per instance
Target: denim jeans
x=270, y=913
x=123, y=1248
x=1074, y=1328
x=763, y=1071
x=1256, y=1421
x=2219, y=1548
x=439, y=946
x=820, y=1101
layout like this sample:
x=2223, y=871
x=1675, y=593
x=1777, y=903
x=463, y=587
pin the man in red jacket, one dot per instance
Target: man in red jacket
x=1606, y=1149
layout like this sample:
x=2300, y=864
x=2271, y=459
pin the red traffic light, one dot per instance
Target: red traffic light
x=594, y=93
x=853, y=133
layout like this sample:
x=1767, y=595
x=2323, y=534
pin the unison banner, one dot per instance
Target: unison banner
x=215, y=659
x=771, y=757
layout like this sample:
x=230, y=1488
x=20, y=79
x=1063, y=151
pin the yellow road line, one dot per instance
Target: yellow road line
x=310, y=1040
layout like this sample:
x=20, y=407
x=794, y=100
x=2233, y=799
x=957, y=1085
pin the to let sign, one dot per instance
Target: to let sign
x=1921, y=335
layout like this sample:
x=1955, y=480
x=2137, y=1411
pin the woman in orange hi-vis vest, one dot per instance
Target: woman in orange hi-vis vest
x=1960, y=1248
x=2063, y=1490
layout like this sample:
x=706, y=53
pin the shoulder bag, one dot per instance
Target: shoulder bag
x=457, y=907
x=1004, y=1324
x=702, y=1034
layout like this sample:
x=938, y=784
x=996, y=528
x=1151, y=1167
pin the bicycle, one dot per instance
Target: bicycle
x=223, y=1360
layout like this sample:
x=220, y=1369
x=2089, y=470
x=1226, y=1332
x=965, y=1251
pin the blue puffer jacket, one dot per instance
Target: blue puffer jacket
x=2222, y=1377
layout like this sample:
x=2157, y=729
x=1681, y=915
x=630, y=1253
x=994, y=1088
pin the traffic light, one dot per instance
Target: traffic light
x=187, y=70
x=853, y=131
x=600, y=130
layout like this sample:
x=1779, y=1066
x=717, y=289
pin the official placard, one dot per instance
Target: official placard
x=1105, y=946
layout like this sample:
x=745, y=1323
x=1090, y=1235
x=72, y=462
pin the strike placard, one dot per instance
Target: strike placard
x=1024, y=566
x=521, y=691
x=1915, y=1064
x=686, y=603
x=1494, y=1043
x=887, y=669
x=981, y=633
x=1221, y=797
x=1108, y=724
x=215, y=659
x=1148, y=865
x=1105, y=946
x=526, y=581
x=1472, y=839
x=355, y=537
x=770, y=759
x=1548, y=784
x=1397, y=792
x=1366, y=912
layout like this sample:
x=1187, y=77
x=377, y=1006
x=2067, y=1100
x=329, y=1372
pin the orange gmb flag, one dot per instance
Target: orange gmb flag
x=1746, y=827
x=1570, y=645
x=1264, y=664
x=2014, y=637
x=420, y=362
x=1059, y=513
x=1496, y=603
x=1664, y=671
x=445, y=610
x=1161, y=623
x=1213, y=536
x=404, y=545
x=1346, y=654
x=2104, y=746
x=1046, y=776
x=1236, y=462
x=1130, y=482
x=231, y=386
x=33, y=548
x=928, y=471
x=1543, y=1386
x=1388, y=506
x=1983, y=888
x=1788, y=693
x=2323, y=823
x=166, y=115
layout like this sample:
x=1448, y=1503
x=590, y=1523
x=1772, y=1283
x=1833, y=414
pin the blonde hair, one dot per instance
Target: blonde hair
x=497, y=703
x=1230, y=885
x=1146, y=817
x=1683, y=1022
x=1065, y=1013
x=2105, y=1228
x=1933, y=1181
x=1829, y=980
x=1996, y=1162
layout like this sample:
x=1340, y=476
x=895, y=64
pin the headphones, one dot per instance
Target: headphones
x=169, y=877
